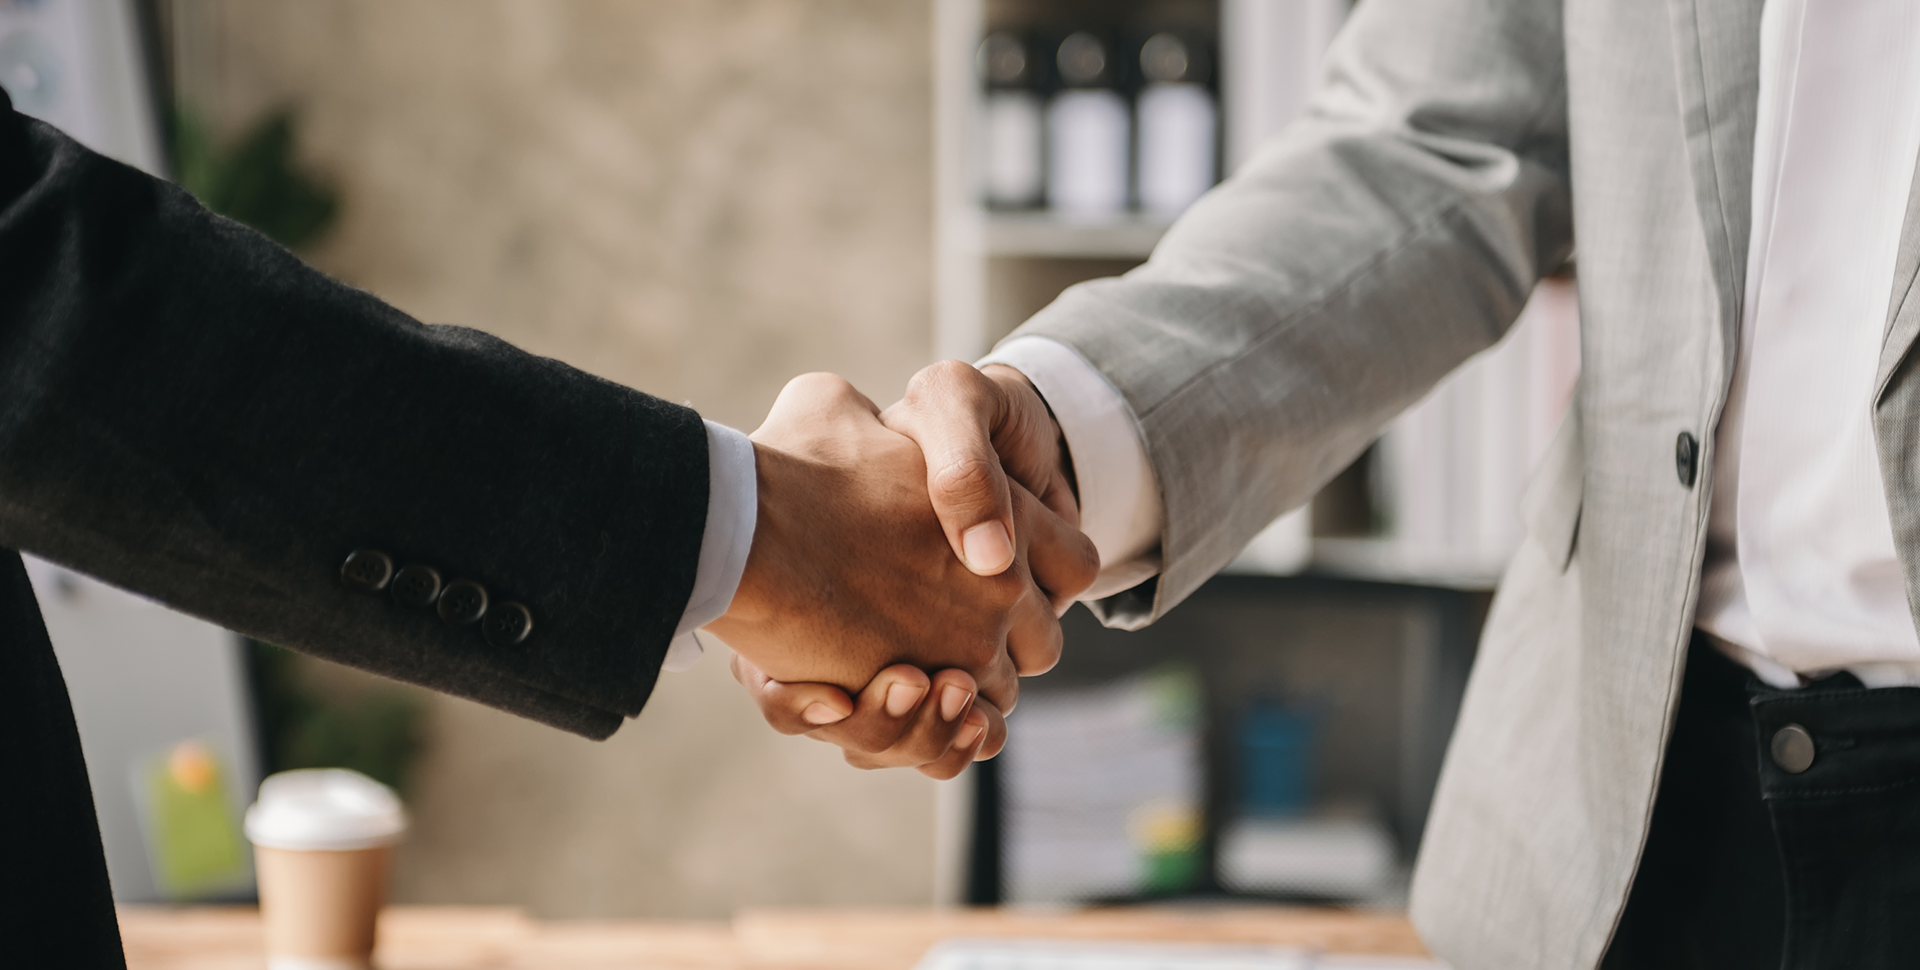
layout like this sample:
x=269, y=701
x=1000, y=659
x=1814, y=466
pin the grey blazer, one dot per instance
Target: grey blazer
x=1456, y=148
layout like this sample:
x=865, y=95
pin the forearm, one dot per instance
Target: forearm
x=188, y=411
x=1365, y=253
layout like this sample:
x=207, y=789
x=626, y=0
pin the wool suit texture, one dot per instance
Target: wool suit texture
x=1452, y=155
x=189, y=412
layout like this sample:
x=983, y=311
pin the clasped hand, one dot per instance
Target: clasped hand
x=939, y=535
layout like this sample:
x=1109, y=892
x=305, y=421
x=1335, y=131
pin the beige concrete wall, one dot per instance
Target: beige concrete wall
x=699, y=198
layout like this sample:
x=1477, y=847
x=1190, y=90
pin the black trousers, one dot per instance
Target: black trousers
x=56, y=907
x=1749, y=865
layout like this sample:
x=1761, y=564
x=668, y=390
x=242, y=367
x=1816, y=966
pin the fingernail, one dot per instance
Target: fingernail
x=901, y=698
x=969, y=733
x=952, y=701
x=987, y=547
x=817, y=713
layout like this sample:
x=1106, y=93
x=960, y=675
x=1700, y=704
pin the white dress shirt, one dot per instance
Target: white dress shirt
x=733, y=507
x=1801, y=571
x=1119, y=498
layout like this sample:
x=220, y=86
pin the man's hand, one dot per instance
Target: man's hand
x=903, y=719
x=977, y=428
x=851, y=572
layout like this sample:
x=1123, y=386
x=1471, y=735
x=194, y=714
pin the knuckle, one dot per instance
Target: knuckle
x=948, y=380
x=971, y=477
x=925, y=380
x=951, y=372
x=1068, y=574
x=824, y=386
x=980, y=655
x=866, y=744
x=816, y=381
x=924, y=747
x=1087, y=562
x=1035, y=662
x=1007, y=697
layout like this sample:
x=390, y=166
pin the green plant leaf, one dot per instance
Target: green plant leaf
x=256, y=181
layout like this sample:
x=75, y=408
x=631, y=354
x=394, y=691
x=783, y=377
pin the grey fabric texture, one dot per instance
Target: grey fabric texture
x=1896, y=410
x=1333, y=280
x=1453, y=153
x=191, y=413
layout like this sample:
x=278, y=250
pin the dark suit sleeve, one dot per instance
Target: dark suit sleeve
x=188, y=411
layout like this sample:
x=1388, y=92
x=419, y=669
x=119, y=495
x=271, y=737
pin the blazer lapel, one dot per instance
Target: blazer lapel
x=1903, y=308
x=1716, y=50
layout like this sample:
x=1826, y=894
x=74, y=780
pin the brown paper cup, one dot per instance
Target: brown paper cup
x=320, y=907
x=322, y=839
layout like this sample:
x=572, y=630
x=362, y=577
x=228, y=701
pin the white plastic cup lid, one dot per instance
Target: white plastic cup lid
x=325, y=809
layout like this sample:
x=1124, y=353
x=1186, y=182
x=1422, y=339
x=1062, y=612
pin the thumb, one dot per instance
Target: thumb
x=951, y=411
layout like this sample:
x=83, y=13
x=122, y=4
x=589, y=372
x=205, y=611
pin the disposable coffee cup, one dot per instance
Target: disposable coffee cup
x=322, y=839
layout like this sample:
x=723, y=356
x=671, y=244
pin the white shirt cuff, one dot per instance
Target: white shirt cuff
x=733, y=506
x=1119, y=499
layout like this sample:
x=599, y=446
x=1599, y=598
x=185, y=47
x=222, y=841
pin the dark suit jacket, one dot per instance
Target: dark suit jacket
x=188, y=411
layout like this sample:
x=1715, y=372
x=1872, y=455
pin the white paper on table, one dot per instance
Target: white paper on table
x=1056, y=954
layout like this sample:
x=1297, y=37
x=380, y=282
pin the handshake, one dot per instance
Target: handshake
x=908, y=565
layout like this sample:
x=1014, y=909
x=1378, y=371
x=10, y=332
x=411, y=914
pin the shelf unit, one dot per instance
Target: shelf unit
x=992, y=269
x=1269, y=53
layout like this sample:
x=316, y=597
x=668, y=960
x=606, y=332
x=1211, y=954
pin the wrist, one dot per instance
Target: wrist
x=753, y=600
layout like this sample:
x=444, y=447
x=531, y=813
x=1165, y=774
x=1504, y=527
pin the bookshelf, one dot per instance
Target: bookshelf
x=1258, y=94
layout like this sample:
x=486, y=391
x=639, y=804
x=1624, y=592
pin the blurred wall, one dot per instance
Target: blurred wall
x=700, y=198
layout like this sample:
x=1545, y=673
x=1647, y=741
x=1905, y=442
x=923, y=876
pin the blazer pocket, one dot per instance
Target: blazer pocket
x=1550, y=506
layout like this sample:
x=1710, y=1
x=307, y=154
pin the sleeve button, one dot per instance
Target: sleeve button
x=416, y=586
x=507, y=624
x=463, y=602
x=366, y=571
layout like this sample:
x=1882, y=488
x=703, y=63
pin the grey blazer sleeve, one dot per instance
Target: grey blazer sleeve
x=1364, y=253
x=188, y=411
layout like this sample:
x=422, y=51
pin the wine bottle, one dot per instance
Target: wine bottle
x=1179, y=127
x=1089, y=135
x=1012, y=125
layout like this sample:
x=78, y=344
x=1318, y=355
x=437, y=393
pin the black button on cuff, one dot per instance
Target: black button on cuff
x=1686, y=458
x=1792, y=749
x=416, y=585
x=463, y=602
x=366, y=571
x=507, y=624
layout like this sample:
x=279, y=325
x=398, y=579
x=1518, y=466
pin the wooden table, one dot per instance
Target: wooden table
x=454, y=938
